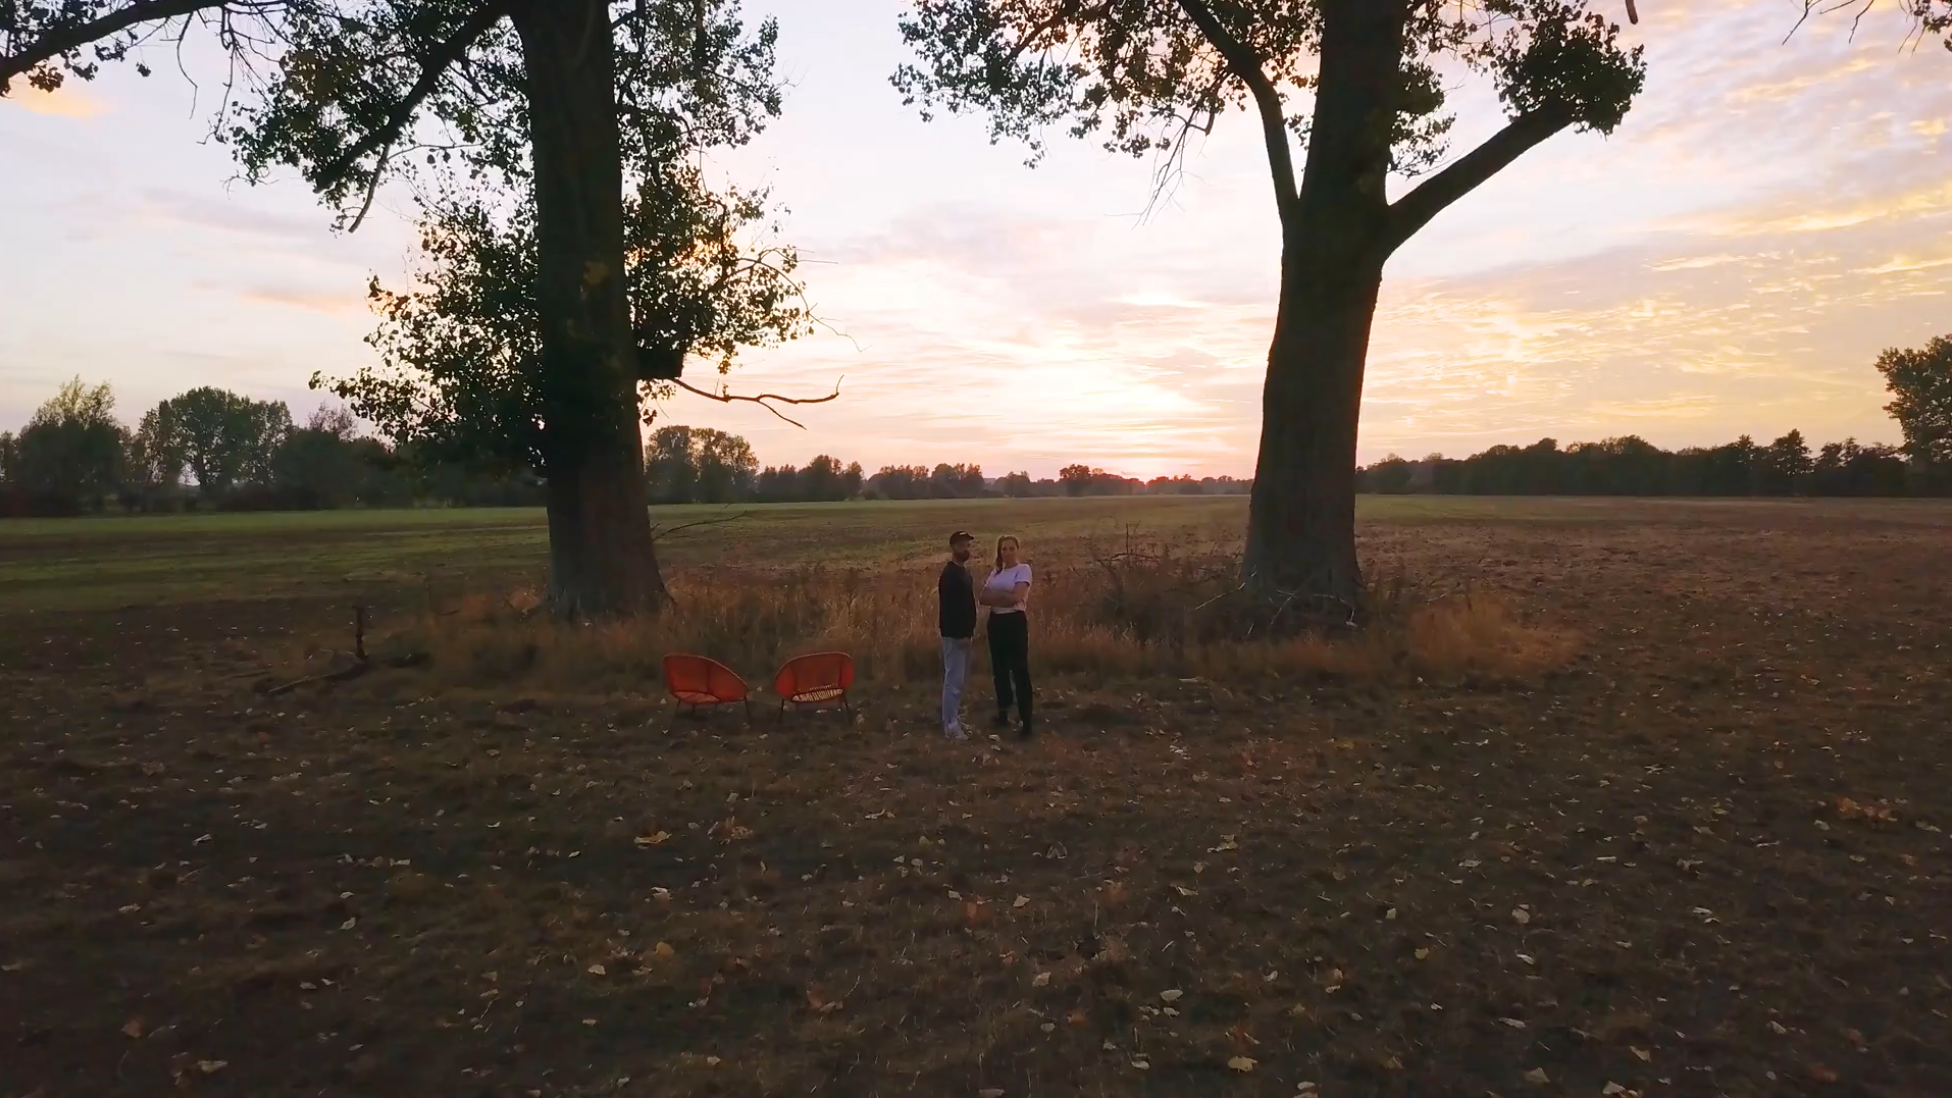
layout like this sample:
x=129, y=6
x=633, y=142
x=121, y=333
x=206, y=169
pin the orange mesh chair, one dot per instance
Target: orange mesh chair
x=699, y=683
x=815, y=681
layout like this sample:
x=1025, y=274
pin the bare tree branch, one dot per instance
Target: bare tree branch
x=444, y=56
x=372, y=188
x=66, y=40
x=1428, y=199
x=760, y=399
x=1274, y=122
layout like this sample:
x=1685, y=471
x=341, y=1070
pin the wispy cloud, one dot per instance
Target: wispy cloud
x=336, y=303
x=1730, y=261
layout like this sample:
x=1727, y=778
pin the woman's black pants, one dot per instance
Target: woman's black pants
x=1010, y=662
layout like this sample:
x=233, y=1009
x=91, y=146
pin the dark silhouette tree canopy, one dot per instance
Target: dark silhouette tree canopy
x=462, y=378
x=1921, y=399
x=1143, y=76
x=560, y=103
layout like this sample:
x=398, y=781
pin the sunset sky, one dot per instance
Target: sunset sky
x=1731, y=260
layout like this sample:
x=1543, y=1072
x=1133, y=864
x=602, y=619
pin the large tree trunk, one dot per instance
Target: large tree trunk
x=601, y=560
x=1301, y=534
x=1301, y=526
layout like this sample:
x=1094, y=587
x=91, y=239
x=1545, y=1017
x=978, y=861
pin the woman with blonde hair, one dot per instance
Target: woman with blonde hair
x=1007, y=594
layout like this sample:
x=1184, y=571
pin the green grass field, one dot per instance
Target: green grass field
x=104, y=562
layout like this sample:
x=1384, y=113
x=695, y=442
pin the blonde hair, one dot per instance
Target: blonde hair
x=1012, y=539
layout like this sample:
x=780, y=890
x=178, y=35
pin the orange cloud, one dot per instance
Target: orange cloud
x=331, y=304
x=69, y=102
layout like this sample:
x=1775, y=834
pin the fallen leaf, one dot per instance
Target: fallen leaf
x=589, y=1021
x=1390, y=914
x=1076, y=1018
x=1422, y=953
x=1141, y=1064
x=657, y=839
x=132, y=1027
x=596, y=970
x=1776, y=1027
x=1170, y=996
x=1613, y=1088
x=664, y=952
x=1538, y=1076
x=1048, y=1027
x=1042, y=979
x=1645, y=1056
x=990, y=1092
x=1020, y=901
x=1241, y=1063
x=1822, y=1074
x=349, y=923
x=1512, y=1022
x=212, y=1067
x=1521, y=916
x=13, y=966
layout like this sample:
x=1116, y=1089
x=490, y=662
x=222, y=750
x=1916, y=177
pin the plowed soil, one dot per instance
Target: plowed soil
x=1708, y=858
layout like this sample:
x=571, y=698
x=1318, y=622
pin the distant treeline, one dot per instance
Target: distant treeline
x=1632, y=466
x=208, y=448
x=217, y=450
x=701, y=465
x=212, y=449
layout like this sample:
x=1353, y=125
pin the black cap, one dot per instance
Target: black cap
x=961, y=535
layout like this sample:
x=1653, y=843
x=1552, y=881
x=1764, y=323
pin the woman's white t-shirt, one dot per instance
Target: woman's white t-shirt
x=1006, y=580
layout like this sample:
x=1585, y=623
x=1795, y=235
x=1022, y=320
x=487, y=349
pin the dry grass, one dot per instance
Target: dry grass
x=1121, y=616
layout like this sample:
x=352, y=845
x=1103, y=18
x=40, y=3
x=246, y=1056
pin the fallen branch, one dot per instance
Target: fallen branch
x=760, y=399
x=659, y=532
x=344, y=674
x=347, y=674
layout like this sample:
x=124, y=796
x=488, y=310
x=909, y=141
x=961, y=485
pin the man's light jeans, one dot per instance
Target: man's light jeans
x=955, y=672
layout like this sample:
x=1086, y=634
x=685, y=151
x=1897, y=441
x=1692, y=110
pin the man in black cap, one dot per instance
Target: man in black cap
x=955, y=595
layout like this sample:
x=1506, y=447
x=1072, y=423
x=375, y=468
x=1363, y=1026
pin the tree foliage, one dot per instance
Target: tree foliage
x=1921, y=398
x=72, y=447
x=222, y=438
x=462, y=371
x=1145, y=76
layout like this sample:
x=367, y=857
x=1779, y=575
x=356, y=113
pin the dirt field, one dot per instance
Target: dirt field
x=1706, y=859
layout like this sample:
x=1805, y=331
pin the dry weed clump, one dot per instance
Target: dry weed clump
x=1143, y=612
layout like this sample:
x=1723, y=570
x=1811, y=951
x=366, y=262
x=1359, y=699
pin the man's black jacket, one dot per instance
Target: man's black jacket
x=955, y=597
